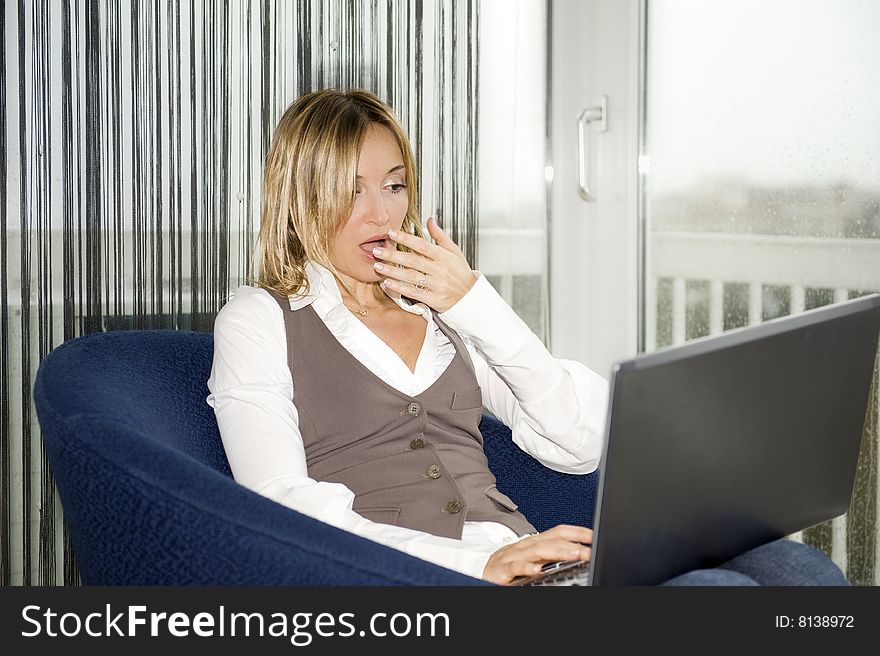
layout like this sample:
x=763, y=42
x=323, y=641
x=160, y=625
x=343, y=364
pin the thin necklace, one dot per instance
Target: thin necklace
x=361, y=312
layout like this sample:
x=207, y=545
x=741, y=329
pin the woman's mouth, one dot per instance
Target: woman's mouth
x=368, y=246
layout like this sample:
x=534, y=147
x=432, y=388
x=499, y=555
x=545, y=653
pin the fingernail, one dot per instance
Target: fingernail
x=378, y=266
x=392, y=233
x=378, y=251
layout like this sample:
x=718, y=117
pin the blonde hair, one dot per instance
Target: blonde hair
x=309, y=182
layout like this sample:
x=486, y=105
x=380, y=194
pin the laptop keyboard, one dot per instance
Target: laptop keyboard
x=576, y=572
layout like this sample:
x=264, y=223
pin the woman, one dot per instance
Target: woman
x=349, y=385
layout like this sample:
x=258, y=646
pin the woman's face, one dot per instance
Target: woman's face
x=380, y=205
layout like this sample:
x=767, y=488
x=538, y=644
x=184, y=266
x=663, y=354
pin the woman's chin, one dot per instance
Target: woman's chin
x=360, y=272
x=370, y=278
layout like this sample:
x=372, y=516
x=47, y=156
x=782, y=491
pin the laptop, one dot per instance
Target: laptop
x=728, y=442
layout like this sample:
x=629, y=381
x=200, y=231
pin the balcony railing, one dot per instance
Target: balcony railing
x=846, y=266
x=842, y=268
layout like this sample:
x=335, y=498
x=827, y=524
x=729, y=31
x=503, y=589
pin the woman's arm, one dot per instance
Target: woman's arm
x=554, y=407
x=252, y=396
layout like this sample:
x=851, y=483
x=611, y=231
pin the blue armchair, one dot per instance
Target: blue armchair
x=149, y=498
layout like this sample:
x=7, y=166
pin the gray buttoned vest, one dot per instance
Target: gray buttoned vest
x=412, y=461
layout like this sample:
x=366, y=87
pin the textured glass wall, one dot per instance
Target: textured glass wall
x=132, y=139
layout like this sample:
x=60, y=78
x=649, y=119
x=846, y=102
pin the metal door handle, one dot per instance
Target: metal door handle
x=595, y=114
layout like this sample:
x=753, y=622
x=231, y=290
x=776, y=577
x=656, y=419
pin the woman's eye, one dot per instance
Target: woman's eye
x=397, y=188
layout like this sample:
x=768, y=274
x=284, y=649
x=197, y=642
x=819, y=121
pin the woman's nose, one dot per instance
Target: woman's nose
x=375, y=210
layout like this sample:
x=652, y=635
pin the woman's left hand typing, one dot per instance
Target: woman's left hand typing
x=437, y=275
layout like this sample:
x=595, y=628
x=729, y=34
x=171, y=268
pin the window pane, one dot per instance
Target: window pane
x=513, y=194
x=762, y=183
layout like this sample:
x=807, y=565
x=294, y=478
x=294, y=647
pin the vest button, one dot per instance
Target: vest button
x=434, y=472
x=453, y=506
x=417, y=443
x=414, y=409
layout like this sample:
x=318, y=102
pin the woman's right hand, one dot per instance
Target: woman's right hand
x=527, y=556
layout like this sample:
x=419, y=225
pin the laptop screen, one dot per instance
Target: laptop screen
x=731, y=441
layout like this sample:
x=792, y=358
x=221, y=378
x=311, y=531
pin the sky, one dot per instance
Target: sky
x=768, y=91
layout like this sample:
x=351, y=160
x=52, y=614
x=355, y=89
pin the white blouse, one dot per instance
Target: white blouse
x=554, y=407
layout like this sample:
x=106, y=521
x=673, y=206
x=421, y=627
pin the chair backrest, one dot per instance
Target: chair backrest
x=154, y=381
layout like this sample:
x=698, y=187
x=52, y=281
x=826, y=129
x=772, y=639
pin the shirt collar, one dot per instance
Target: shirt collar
x=322, y=285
